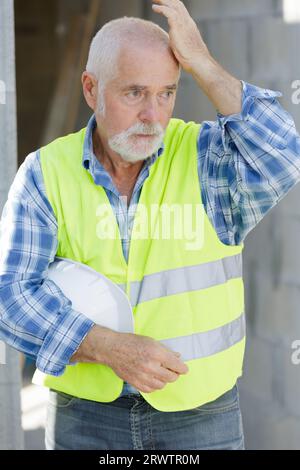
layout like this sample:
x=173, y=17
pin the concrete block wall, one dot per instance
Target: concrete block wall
x=251, y=39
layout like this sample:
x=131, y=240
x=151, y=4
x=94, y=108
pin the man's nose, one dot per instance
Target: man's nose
x=150, y=112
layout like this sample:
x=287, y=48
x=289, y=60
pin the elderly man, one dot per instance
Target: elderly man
x=173, y=383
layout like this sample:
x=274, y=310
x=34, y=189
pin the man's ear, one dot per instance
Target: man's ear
x=90, y=89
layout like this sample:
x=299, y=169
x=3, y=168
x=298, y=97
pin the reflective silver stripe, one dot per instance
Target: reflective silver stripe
x=189, y=278
x=210, y=342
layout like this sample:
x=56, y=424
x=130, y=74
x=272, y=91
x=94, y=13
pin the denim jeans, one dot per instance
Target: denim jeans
x=130, y=423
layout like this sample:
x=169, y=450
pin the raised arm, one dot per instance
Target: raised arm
x=250, y=157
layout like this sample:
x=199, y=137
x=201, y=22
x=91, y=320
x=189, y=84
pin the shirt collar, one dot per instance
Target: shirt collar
x=89, y=157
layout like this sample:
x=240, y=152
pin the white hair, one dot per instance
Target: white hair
x=108, y=42
x=106, y=45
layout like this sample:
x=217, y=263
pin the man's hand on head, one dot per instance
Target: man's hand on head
x=185, y=39
x=222, y=89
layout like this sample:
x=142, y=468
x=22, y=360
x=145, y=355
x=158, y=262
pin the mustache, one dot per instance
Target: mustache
x=146, y=129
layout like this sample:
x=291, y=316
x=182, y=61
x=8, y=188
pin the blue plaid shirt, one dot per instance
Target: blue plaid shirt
x=247, y=162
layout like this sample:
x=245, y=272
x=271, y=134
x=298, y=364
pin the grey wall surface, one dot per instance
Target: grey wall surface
x=251, y=39
x=11, y=436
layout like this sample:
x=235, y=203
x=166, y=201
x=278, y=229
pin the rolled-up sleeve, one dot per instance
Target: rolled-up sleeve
x=35, y=316
x=247, y=163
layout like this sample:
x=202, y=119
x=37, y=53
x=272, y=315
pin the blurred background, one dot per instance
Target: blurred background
x=257, y=41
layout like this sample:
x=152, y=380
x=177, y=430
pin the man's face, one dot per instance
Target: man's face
x=139, y=102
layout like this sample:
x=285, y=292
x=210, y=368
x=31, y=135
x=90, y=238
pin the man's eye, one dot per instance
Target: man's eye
x=168, y=94
x=134, y=93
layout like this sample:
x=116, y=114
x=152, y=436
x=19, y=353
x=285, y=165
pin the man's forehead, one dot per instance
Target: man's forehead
x=140, y=57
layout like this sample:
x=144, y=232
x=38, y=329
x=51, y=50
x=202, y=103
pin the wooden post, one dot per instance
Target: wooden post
x=11, y=434
x=66, y=101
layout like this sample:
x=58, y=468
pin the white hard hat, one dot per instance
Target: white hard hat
x=93, y=294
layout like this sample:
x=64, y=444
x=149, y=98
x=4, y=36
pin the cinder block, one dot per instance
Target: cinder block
x=265, y=324
x=282, y=434
x=219, y=9
x=287, y=434
x=277, y=314
x=11, y=436
x=290, y=252
x=267, y=426
x=289, y=206
x=261, y=420
x=109, y=10
x=258, y=250
x=257, y=269
x=274, y=48
x=228, y=42
x=257, y=371
x=10, y=372
x=272, y=291
x=292, y=382
x=281, y=259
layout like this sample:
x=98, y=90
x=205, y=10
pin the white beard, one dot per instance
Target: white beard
x=132, y=148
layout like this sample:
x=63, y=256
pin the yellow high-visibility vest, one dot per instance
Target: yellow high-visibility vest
x=185, y=286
